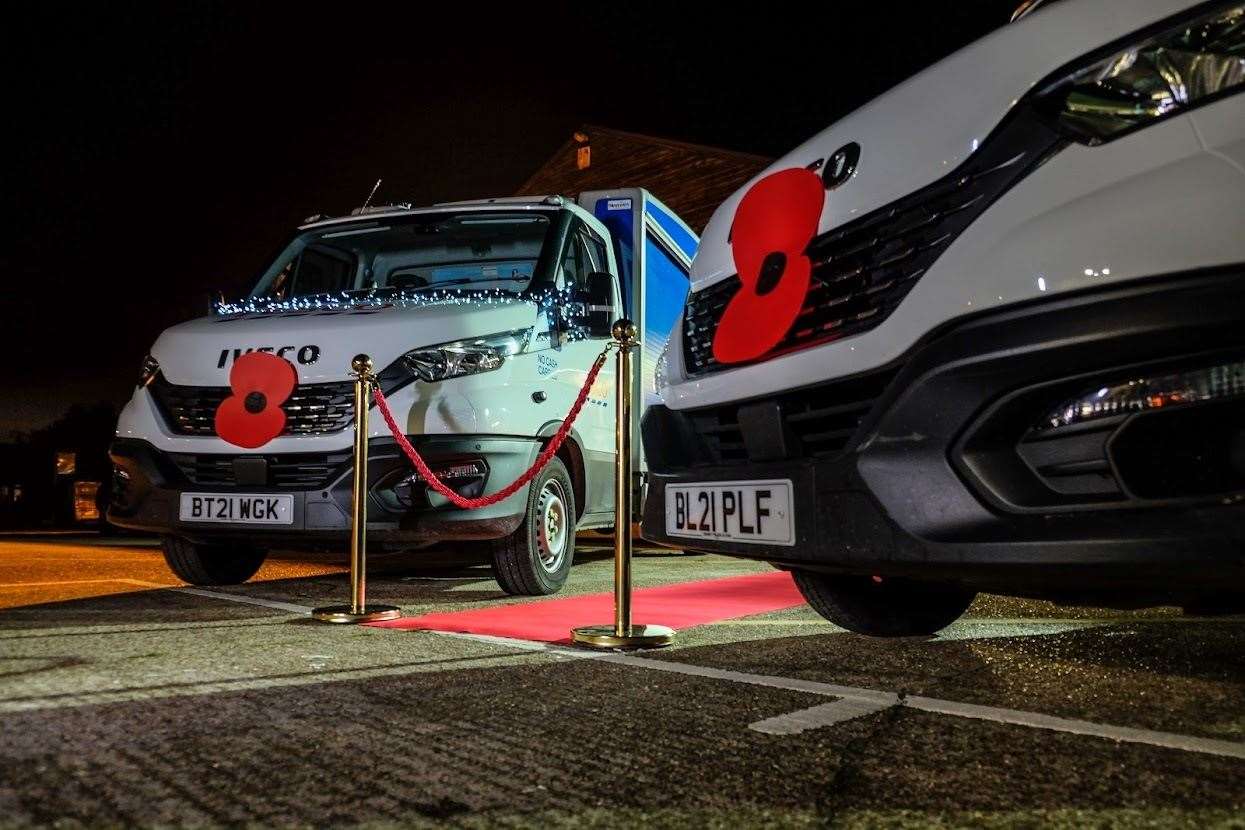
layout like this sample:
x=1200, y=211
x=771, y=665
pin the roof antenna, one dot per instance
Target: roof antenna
x=375, y=187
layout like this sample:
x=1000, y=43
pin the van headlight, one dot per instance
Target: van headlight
x=454, y=360
x=660, y=367
x=148, y=370
x=1124, y=397
x=1184, y=65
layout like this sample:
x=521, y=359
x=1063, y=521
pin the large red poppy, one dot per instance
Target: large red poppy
x=252, y=415
x=775, y=221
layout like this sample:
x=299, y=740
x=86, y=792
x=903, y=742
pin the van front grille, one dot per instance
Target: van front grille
x=312, y=409
x=864, y=269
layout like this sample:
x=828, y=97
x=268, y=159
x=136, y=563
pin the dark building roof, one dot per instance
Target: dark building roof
x=691, y=178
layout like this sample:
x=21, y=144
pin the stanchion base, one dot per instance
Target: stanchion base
x=641, y=636
x=343, y=614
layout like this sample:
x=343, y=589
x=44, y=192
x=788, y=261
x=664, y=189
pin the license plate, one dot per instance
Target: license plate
x=734, y=511
x=241, y=508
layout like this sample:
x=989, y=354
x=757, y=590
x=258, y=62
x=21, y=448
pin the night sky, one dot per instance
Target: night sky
x=159, y=152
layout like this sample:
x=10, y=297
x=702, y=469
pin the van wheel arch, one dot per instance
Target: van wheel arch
x=572, y=456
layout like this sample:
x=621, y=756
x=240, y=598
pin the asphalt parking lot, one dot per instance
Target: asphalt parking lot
x=127, y=699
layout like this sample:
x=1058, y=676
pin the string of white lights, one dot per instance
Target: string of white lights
x=382, y=298
x=387, y=298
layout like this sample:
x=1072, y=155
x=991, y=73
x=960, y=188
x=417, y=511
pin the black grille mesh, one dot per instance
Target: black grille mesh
x=864, y=269
x=312, y=409
x=821, y=420
x=304, y=471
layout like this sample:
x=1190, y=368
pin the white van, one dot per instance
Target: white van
x=985, y=333
x=482, y=319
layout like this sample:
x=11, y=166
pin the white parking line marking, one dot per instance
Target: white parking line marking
x=140, y=583
x=559, y=652
x=1127, y=734
x=188, y=686
x=793, y=684
x=266, y=603
x=1189, y=743
x=827, y=714
x=874, y=700
x=510, y=642
x=853, y=701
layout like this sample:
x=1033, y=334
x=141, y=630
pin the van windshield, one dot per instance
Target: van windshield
x=437, y=252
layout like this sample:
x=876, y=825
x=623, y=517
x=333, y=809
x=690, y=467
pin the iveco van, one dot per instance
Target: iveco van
x=482, y=319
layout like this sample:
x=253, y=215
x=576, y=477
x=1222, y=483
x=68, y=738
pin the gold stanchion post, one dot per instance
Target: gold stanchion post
x=623, y=634
x=358, y=611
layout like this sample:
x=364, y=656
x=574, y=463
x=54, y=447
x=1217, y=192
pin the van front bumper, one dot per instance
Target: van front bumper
x=148, y=484
x=928, y=477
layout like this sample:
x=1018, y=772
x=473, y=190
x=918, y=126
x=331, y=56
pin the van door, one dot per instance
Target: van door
x=654, y=250
x=584, y=250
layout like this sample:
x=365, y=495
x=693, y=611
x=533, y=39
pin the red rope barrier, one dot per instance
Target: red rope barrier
x=510, y=489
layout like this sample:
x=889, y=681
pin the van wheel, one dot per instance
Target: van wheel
x=536, y=559
x=211, y=564
x=889, y=608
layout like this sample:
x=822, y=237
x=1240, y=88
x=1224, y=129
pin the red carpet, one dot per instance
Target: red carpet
x=681, y=605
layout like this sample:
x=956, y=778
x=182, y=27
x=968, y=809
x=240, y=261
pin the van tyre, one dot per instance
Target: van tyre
x=886, y=608
x=211, y=564
x=536, y=559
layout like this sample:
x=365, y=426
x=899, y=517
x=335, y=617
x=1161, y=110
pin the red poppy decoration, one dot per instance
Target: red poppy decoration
x=252, y=415
x=775, y=221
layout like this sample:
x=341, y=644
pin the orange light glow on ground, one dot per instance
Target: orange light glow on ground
x=57, y=568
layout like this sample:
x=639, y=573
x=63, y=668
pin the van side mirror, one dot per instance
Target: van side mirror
x=601, y=311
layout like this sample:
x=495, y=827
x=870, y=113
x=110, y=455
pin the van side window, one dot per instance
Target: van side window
x=590, y=302
x=585, y=254
x=573, y=271
x=594, y=248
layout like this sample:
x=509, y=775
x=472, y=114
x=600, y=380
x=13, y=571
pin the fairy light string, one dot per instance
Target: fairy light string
x=380, y=298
